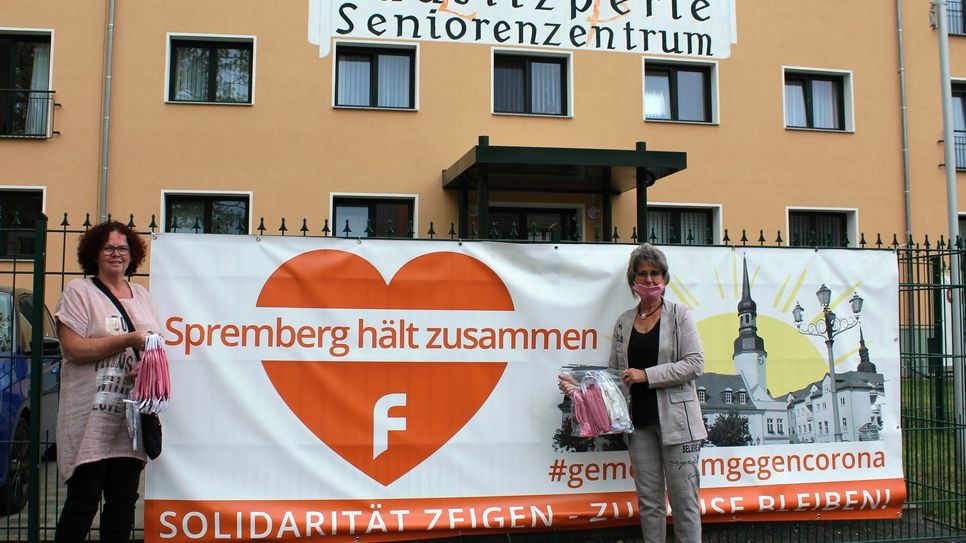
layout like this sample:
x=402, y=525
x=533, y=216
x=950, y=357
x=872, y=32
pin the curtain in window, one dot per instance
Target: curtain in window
x=959, y=128
x=825, y=104
x=232, y=80
x=396, y=211
x=191, y=74
x=695, y=225
x=354, y=80
x=795, y=104
x=660, y=226
x=657, y=96
x=394, y=78
x=830, y=229
x=37, y=106
x=508, y=87
x=545, y=88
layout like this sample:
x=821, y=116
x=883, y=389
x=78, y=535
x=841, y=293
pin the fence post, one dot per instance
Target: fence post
x=36, y=374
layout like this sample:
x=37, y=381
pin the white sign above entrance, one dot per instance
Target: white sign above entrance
x=689, y=28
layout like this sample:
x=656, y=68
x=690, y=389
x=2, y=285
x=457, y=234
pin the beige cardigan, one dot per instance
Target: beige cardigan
x=680, y=362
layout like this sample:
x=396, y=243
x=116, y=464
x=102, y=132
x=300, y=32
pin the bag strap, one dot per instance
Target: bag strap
x=117, y=303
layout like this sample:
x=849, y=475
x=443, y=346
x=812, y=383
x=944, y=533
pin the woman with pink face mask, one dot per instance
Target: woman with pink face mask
x=657, y=347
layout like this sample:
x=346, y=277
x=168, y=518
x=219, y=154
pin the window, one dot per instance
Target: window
x=818, y=229
x=959, y=125
x=680, y=225
x=962, y=230
x=954, y=16
x=529, y=84
x=211, y=70
x=781, y=426
x=372, y=217
x=702, y=396
x=375, y=77
x=771, y=426
x=23, y=206
x=728, y=397
x=677, y=92
x=25, y=96
x=206, y=214
x=547, y=224
x=742, y=397
x=815, y=101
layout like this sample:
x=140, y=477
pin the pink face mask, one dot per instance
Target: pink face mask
x=649, y=294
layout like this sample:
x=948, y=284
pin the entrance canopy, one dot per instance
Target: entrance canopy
x=604, y=172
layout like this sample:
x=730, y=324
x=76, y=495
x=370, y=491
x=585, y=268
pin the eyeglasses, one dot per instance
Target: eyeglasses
x=122, y=250
x=652, y=273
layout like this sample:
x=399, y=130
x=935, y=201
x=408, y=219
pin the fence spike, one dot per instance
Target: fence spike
x=474, y=231
x=452, y=230
x=878, y=240
x=616, y=237
x=862, y=240
x=513, y=230
x=653, y=237
x=130, y=222
x=942, y=243
x=174, y=223
x=690, y=237
x=325, y=228
x=154, y=223
x=778, y=240
x=432, y=232
x=709, y=235
x=109, y=218
x=492, y=234
x=410, y=233
x=895, y=242
x=369, y=229
x=726, y=239
x=389, y=229
x=261, y=226
x=305, y=227
x=634, y=234
x=16, y=219
x=197, y=226
x=910, y=240
x=347, y=230
x=64, y=222
x=960, y=242
x=744, y=238
x=671, y=236
x=575, y=231
x=926, y=243
x=87, y=221
x=761, y=238
x=597, y=233
x=845, y=241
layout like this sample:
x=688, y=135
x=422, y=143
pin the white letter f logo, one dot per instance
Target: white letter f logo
x=382, y=423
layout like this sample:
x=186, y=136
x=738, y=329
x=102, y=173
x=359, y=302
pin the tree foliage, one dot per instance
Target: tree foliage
x=730, y=430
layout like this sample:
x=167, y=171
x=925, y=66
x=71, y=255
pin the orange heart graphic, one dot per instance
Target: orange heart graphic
x=384, y=418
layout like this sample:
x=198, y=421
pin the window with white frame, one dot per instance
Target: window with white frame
x=367, y=216
x=816, y=100
x=818, y=229
x=375, y=77
x=781, y=426
x=680, y=225
x=530, y=84
x=207, y=213
x=959, y=124
x=678, y=92
x=954, y=14
x=25, y=96
x=19, y=211
x=211, y=69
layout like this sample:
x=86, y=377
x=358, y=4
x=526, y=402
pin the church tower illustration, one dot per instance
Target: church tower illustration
x=750, y=356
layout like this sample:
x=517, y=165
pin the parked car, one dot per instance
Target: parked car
x=16, y=315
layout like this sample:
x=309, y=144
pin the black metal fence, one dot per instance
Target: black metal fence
x=933, y=435
x=26, y=113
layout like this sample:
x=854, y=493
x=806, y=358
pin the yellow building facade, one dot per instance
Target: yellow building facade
x=217, y=114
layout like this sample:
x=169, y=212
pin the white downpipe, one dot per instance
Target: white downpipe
x=106, y=112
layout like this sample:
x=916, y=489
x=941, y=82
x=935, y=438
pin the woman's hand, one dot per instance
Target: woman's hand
x=568, y=385
x=634, y=375
x=137, y=339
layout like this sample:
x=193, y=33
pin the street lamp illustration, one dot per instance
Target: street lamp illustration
x=828, y=327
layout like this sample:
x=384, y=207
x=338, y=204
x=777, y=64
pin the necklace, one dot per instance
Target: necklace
x=649, y=313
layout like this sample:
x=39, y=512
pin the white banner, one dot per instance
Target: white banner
x=692, y=28
x=392, y=390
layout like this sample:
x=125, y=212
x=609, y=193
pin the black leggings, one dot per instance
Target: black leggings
x=117, y=479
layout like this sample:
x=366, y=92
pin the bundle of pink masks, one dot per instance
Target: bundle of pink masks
x=152, y=388
x=599, y=406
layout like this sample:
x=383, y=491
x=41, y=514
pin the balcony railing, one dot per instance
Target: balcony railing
x=26, y=113
x=959, y=140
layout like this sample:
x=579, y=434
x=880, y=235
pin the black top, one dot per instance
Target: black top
x=641, y=354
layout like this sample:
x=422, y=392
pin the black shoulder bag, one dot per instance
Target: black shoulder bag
x=150, y=423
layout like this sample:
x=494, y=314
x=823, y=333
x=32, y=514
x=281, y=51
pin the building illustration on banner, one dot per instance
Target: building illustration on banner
x=740, y=410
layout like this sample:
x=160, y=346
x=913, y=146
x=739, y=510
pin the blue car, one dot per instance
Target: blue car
x=16, y=314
